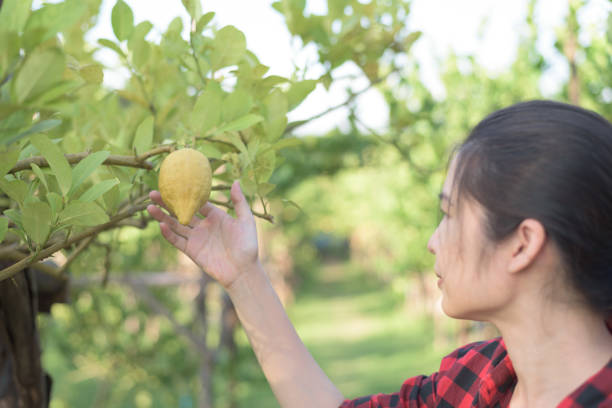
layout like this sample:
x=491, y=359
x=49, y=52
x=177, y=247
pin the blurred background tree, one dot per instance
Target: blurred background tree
x=353, y=208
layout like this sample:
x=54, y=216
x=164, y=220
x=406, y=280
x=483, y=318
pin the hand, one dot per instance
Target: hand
x=223, y=246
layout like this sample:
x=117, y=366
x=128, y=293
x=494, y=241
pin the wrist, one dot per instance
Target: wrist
x=248, y=281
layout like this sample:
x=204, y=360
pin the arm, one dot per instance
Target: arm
x=293, y=374
x=226, y=248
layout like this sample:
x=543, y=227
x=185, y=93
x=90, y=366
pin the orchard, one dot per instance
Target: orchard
x=78, y=159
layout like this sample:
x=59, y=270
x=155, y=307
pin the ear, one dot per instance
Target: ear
x=526, y=244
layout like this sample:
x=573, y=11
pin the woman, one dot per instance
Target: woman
x=525, y=243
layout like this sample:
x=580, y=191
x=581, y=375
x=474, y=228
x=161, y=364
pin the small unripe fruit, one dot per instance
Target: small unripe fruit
x=185, y=179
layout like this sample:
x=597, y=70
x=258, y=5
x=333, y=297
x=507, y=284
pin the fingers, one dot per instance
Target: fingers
x=207, y=209
x=156, y=197
x=178, y=241
x=243, y=211
x=171, y=222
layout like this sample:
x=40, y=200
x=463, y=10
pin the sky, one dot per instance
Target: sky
x=487, y=29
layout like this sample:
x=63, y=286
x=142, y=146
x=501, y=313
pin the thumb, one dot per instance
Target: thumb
x=243, y=211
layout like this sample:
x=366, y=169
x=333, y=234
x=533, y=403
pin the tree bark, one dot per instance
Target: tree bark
x=22, y=381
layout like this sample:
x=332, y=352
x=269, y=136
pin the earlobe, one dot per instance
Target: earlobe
x=527, y=243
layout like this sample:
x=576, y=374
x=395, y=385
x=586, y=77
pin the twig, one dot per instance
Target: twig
x=292, y=126
x=159, y=308
x=229, y=205
x=82, y=245
x=27, y=261
x=43, y=267
x=112, y=160
x=404, y=152
x=193, y=52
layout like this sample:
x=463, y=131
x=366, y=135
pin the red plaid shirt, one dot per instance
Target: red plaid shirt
x=480, y=375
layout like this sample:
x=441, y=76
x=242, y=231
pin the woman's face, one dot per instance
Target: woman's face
x=466, y=264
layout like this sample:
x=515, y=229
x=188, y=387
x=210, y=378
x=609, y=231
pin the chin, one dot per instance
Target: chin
x=461, y=312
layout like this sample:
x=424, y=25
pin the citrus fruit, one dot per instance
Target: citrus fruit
x=185, y=179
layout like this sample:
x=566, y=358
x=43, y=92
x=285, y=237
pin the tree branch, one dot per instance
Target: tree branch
x=193, y=52
x=138, y=161
x=28, y=260
x=80, y=248
x=43, y=267
x=229, y=205
x=158, y=307
x=403, y=151
x=292, y=126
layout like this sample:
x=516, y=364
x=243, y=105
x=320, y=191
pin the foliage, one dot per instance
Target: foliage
x=78, y=158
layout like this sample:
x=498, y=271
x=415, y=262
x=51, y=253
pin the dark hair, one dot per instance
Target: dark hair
x=552, y=162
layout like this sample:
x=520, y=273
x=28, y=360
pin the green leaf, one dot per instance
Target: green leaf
x=111, y=199
x=14, y=14
x=138, y=45
x=92, y=73
x=236, y=141
x=264, y=189
x=61, y=89
x=299, y=91
x=36, y=218
x=144, y=135
x=97, y=190
x=288, y=142
x=58, y=163
x=3, y=227
x=15, y=216
x=86, y=167
x=264, y=165
x=291, y=203
x=140, y=31
x=241, y=123
x=204, y=20
x=8, y=159
x=50, y=19
x=112, y=45
x=276, y=106
x=56, y=202
x=194, y=8
x=206, y=113
x=38, y=127
x=210, y=151
x=41, y=70
x=236, y=105
x=7, y=109
x=122, y=20
x=10, y=43
x=82, y=214
x=229, y=47
x=39, y=173
x=140, y=53
x=15, y=189
x=411, y=39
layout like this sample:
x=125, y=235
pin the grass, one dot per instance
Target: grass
x=356, y=327
x=358, y=331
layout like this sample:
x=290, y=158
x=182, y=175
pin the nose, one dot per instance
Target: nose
x=433, y=240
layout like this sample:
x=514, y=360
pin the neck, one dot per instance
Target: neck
x=553, y=351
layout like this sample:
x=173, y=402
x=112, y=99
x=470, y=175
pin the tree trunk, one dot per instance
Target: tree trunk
x=23, y=383
x=22, y=380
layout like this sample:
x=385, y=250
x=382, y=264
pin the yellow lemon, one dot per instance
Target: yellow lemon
x=185, y=179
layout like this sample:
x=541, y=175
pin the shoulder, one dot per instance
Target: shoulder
x=477, y=355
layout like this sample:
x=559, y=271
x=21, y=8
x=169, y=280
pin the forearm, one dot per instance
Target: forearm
x=294, y=376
